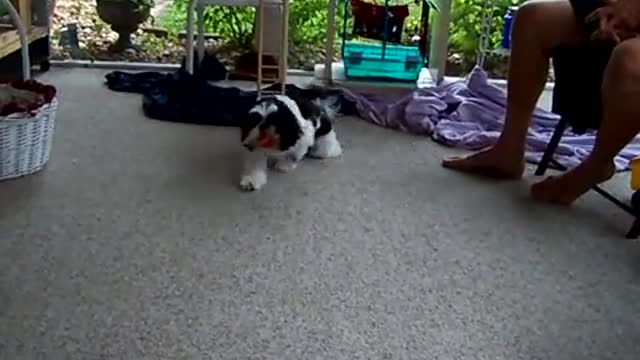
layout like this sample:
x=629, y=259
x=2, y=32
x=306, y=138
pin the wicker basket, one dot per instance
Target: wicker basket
x=26, y=131
x=25, y=141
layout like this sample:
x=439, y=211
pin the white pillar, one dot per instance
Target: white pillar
x=329, y=46
x=440, y=41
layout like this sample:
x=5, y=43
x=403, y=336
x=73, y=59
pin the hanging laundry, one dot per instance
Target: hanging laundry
x=369, y=20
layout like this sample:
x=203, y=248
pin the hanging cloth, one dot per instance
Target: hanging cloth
x=369, y=20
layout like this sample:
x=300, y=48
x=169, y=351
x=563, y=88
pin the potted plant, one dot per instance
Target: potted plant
x=124, y=16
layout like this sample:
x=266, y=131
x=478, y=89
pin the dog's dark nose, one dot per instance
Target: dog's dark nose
x=250, y=147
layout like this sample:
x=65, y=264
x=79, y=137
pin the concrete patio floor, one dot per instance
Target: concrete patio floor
x=135, y=243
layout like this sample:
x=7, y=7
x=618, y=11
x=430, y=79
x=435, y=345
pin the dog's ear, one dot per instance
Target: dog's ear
x=286, y=125
x=248, y=123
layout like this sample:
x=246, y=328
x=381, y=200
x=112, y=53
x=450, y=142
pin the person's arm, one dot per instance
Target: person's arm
x=617, y=20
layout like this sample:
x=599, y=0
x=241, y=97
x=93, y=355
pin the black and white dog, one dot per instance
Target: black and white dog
x=280, y=131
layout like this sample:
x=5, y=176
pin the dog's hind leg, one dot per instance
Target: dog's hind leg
x=326, y=146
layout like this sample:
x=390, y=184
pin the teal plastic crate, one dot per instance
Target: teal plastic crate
x=365, y=60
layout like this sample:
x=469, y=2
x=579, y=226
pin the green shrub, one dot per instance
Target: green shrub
x=234, y=24
x=308, y=23
x=466, y=25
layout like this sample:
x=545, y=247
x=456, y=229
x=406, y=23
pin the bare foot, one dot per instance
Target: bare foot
x=567, y=188
x=490, y=162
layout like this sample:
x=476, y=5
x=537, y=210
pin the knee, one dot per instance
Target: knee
x=545, y=23
x=532, y=13
x=624, y=64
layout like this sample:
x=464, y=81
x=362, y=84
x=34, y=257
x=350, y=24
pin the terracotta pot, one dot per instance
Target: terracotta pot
x=246, y=67
x=124, y=17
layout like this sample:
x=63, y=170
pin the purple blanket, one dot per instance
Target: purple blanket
x=470, y=115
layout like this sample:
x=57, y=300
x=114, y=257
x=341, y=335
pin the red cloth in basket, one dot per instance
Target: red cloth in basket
x=48, y=92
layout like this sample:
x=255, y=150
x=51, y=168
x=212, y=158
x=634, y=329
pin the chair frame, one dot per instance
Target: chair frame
x=198, y=6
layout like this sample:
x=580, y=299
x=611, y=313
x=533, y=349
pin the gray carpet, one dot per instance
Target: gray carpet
x=135, y=243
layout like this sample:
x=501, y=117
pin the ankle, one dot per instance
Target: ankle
x=600, y=168
x=599, y=162
x=509, y=150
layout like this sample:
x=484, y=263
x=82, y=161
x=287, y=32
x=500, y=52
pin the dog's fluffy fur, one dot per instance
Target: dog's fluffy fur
x=299, y=127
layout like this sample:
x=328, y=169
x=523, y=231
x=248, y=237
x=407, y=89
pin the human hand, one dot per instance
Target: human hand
x=618, y=20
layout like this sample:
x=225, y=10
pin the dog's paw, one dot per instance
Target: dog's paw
x=284, y=165
x=253, y=181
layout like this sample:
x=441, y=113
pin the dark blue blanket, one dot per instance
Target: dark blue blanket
x=186, y=98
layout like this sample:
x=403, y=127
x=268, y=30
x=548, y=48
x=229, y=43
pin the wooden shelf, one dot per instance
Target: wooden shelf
x=10, y=41
x=13, y=64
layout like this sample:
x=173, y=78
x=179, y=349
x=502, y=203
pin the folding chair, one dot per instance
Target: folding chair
x=577, y=100
x=198, y=6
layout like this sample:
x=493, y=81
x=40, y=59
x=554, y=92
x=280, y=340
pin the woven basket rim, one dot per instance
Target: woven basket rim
x=24, y=117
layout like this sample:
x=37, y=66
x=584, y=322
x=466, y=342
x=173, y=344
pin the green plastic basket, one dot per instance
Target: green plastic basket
x=367, y=60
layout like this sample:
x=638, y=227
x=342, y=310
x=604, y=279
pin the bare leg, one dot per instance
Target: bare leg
x=539, y=26
x=620, y=124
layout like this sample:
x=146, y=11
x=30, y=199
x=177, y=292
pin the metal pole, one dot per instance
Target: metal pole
x=260, y=46
x=200, y=40
x=24, y=39
x=485, y=31
x=284, y=46
x=331, y=34
x=189, y=39
x=386, y=27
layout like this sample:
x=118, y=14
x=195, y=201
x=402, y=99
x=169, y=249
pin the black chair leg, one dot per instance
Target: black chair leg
x=547, y=157
x=634, y=232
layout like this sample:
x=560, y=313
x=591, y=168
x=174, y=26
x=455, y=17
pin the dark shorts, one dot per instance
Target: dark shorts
x=582, y=9
x=579, y=71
